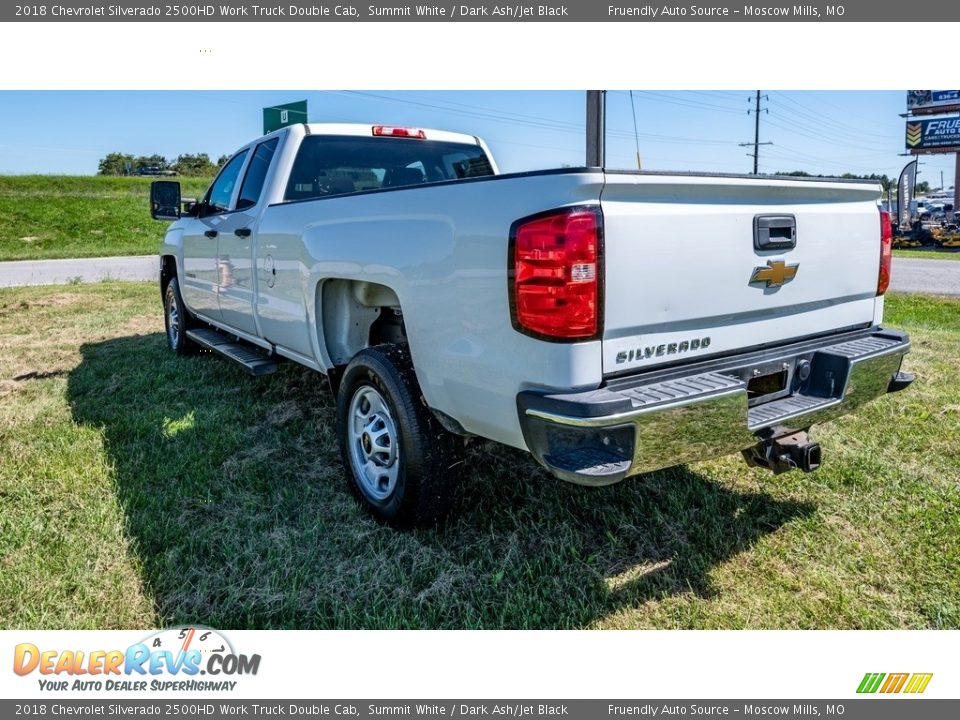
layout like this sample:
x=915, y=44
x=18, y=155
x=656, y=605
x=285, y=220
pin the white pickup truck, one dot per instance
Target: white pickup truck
x=611, y=323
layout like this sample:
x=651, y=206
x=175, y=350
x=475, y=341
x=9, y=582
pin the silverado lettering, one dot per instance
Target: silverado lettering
x=663, y=349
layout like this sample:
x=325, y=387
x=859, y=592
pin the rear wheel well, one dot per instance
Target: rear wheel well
x=355, y=314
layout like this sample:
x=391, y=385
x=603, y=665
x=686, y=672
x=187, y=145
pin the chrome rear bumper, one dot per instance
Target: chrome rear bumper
x=648, y=422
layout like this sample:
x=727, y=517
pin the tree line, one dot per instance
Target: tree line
x=887, y=183
x=190, y=165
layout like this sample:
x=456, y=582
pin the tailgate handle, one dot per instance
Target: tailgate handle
x=774, y=232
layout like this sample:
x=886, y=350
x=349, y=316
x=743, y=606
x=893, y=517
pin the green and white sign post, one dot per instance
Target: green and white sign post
x=280, y=116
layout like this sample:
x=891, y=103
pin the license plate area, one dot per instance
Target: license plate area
x=766, y=385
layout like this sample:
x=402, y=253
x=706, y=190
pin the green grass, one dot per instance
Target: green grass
x=930, y=253
x=52, y=216
x=139, y=488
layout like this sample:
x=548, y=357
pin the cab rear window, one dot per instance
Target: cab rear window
x=335, y=165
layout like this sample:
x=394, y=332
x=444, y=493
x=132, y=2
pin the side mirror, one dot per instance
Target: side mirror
x=165, y=200
x=191, y=208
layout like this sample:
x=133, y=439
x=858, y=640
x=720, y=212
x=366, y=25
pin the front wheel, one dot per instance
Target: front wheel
x=176, y=320
x=403, y=465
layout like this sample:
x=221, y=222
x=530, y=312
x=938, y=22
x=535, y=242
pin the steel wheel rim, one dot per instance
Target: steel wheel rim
x=374, y=443
x=173, y=320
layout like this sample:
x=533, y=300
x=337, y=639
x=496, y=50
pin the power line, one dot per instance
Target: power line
x=818, y=116
x=803, y=155
x=535, y=121
x=683, y=102
x=825, y=126
x=543, y=123
x=794, y=124
x=820, y=138
x=734, y=99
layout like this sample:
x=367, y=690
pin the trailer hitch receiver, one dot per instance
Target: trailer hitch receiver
x=788, y=452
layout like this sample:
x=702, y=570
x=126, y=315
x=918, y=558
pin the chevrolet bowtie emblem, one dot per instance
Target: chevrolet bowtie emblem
x=775, y=274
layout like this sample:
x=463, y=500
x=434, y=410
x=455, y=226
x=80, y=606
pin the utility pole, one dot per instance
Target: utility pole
x=756, y=132
x=596, y=127
x=756, y=135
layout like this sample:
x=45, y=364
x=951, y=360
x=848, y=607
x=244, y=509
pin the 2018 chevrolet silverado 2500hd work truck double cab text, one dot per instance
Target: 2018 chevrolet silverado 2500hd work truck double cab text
x=611, y=323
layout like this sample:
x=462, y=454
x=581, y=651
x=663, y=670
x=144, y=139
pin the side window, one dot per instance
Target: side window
x=218, y=197
x=256, y=174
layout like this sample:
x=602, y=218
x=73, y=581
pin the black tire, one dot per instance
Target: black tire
x=428, y=458
x=177, y=320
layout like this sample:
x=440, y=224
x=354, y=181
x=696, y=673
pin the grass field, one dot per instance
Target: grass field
x=139, y=488
x=52, y=216
x=930, y=253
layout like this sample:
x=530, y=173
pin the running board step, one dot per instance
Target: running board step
x=252, y=359
x=595, y=463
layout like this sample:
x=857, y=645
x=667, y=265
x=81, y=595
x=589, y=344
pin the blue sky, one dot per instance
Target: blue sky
x=820, y=132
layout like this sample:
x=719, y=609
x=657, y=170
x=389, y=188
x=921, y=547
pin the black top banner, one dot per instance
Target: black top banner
x=475, y=11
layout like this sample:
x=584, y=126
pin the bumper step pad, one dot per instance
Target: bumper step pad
x=682, y=389
x=590, y=462
x=775, y=412
x=841, y=359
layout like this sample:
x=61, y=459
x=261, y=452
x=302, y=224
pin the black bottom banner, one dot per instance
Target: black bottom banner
x=878, y=708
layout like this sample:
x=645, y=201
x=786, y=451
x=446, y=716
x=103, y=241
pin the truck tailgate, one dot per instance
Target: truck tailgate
x=680, y=253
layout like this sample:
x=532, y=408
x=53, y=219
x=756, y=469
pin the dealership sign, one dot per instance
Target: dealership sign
x=935, y=134
x=932, y=101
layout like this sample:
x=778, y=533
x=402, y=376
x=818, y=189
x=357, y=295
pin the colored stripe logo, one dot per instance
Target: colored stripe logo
x=914, y=134
x=914, y=683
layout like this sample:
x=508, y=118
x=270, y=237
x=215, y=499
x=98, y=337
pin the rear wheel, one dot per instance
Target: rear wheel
x=403, y=466
x=177, y=320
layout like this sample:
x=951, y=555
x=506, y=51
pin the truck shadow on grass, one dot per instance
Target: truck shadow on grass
x=237, y=506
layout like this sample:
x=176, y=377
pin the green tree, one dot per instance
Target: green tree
x=889, y=187
x=158, y=161
x=885, y=181
x=115, y=163
x=198, y=165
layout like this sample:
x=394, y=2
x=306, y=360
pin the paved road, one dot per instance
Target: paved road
x=57, y=272
x=918, y=275
x=938, y=277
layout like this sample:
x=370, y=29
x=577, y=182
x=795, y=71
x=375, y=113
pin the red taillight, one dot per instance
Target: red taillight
x=556, y=270
x=390, y=131
x=886, y=252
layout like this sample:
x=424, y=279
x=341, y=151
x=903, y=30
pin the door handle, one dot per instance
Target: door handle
x=774, y=232
x=210, y=233
x=242, y=232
